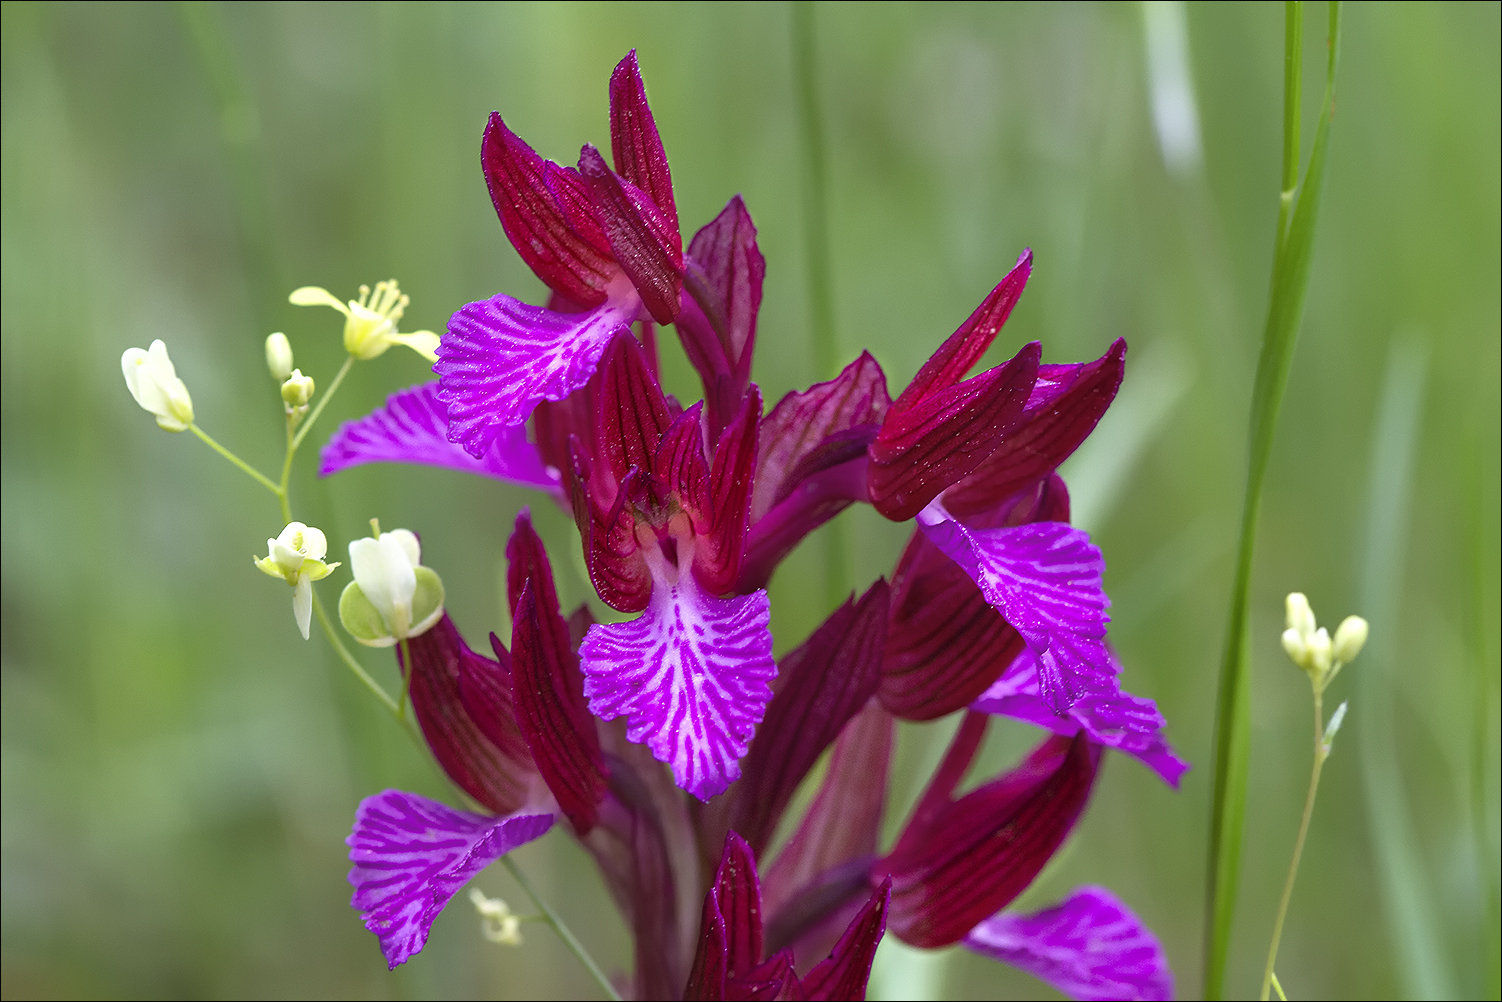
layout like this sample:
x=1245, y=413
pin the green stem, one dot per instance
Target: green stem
x=1298, y=846
x=401, y=705
x=360, y=672
x=349, y=360
x=260, y=477
x=552, y=919
x=1298, y=211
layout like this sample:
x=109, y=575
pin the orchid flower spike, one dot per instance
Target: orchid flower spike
x=393, y=597
x=296, y=556
x=153, y=382
x=370, y=321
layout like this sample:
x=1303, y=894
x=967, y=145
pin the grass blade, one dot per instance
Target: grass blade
x=1290, y=283
x=1416, y=937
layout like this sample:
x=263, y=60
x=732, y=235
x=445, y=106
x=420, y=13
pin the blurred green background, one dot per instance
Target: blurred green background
x=180, y=769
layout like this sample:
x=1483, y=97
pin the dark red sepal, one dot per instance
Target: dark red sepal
x=633, y=414
x=822, y=685
x=548, y=688
x=723, y=273
x=939, y=439
x=498, y=776
x=681, y=467
x=1066, y=404
x=959, y=353
x=960, y=861
x=635, y=145
x=718, y=552
x=571, y=264
x=847, y=969
x=644, y=241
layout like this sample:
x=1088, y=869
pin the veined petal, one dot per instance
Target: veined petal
x=412, y=427
x=943, y=437
x=502, y=357
x=1115, y=719
x=1090, y=946
x=1066, y=404
x=945, y=644
x=825, y=682
x=690, y=675
x=1045, y=580
x=803, y=424
x=643, y=239
x=573, y=261
x=634, y=143
x=411, y=855
x=817, y=500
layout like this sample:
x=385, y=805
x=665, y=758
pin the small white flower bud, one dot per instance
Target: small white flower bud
x=1319, y=651
x=279, y=356
x=1350, y=637
x=1300, y=616
x=392, y=596
x=296, y=556
x=1298, y=650
x=297, y=390
x=153, y=383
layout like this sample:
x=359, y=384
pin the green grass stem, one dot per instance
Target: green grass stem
x=1293, y=249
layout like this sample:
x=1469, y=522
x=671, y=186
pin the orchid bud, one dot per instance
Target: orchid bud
x=393, y=596
x=1350, y=637
x=278, y=356
x=153, y=383
x=1300, y=615
x=297, y=390
x=296, y=556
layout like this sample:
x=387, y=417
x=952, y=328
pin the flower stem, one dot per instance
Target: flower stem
x=360, y=672
x=1320, y=754
x=260, y=477
x=552, y=919
x=401, y=706
x=349, y=360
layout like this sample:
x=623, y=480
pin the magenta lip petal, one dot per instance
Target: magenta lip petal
x=1045, y=580
x=690, y=675
x=501, y=358
x=573, y=258
x=1090, y=946
x=1118, y=719
x=411, y=855
x=412, y=427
